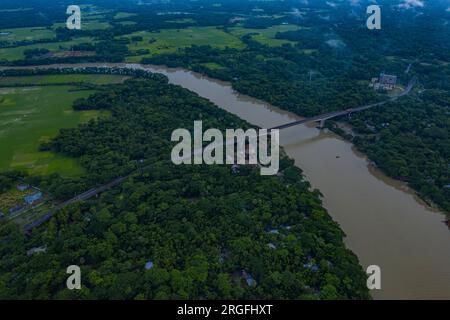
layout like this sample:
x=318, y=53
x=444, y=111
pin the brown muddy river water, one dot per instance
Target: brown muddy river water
x=385, y=223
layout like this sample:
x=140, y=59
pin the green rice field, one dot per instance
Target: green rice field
x=265, y=36
x=16, y=53
x=63, y=78
x=170, y=40
x=32, y=115
x=21, y=34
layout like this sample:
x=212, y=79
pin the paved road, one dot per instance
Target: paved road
x=334, y=114
x=92, y=192
x=81, y=197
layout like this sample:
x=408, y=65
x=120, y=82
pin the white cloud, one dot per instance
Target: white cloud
x=407, y=4
x=331, y=4
x=354, y=2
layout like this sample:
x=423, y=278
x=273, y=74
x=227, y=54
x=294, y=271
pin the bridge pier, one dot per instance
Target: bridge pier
x=322, y=124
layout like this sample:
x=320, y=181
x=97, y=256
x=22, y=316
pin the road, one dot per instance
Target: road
x=81, y=197
x=334, y=114
x=92, y=192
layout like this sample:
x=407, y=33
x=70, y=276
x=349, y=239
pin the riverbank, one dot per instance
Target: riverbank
x=345, y=130
x=385, y=223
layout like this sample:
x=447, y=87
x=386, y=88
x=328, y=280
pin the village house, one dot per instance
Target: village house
x=30, y=199
x=22, y=187
x=384, y=82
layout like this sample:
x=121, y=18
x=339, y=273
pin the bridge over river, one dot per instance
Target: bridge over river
x=319, y=118
x=384, y=221
x=322, y=117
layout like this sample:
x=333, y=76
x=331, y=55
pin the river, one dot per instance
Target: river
x=385, y=222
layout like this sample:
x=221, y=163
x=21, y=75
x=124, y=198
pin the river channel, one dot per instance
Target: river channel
x=385, y=222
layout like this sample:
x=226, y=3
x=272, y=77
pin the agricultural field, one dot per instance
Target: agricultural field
x=265, y=36
x=21, y=34
x=12, y=198
x=92, y=20
x=184, y=20
x=63, y=78
x=123, y=15
x=17, y=53
x=127, y=23
x=170, y=40
x=32, y=115
x=212, y=66
x=87, y=24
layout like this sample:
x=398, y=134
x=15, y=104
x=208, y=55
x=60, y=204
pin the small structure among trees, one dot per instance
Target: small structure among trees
x=384, y=82
x=30, y=199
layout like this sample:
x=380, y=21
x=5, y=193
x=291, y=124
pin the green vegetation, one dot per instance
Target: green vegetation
x=88, y=25
x=212, y=66
x=265, y=36
x=61, y=79
x=17, y=53
x=199, y=225
x=170, y=40
x=22, y=34
x=12, y=197
x=203, y=225
x=32, y=115
x=127, y=23
x=182, y=21
x=322, y=71
x=122, y=15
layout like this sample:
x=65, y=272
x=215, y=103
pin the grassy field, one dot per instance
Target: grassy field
x=93, y=20
x=212, y=66
x=87, y=24
x=184, y=20
x=170, y=40
x=265, y=36
x=20, y=34
x=165, y=41
x=122, y=15
x=29, y=116
x=127, y=23
x=16, y=53
x=63, y=78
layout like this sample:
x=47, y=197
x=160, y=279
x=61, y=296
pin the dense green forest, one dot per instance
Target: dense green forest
x=201, y=226
x=408, y=139
x=207, y=229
